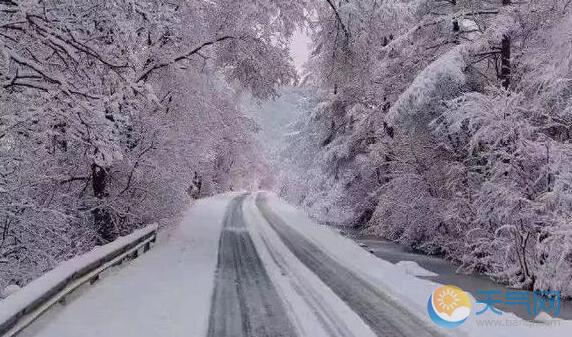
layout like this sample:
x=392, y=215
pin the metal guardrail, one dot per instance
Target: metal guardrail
x=31, y=306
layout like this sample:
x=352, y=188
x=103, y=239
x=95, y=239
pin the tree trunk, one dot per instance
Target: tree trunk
x=505, y=56
x=505, y=61
x=456, y=27
x=101, y=216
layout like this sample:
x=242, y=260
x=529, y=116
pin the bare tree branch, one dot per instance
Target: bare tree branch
x=149, y=70
x=339, y=18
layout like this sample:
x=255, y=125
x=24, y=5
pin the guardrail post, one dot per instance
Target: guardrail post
x=146, y=247
x=135, y=254
x=94, y=279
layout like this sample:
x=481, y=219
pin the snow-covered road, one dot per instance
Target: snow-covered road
x=383, y=315
x=245, y=301
x=250, y=265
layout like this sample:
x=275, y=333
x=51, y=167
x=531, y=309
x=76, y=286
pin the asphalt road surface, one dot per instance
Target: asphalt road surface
x=246, y=303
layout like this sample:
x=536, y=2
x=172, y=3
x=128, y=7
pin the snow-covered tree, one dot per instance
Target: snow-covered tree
x=111, y=110
x=444, y=125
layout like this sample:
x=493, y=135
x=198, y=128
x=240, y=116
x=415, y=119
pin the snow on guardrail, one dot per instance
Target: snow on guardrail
x=21, y=308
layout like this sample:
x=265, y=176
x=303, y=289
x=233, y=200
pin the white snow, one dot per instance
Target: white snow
x=24, y=297
x=306, y=296
x=414, y=269
x=543, y=318
x=441, y=79
x=165, y=292
x=406, y=289
x=9, y=290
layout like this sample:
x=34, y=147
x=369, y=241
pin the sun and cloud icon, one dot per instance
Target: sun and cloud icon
x=449, y=306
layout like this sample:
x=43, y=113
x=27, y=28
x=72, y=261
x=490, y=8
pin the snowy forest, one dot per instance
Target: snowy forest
x=114, y=113
x=443, y=125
